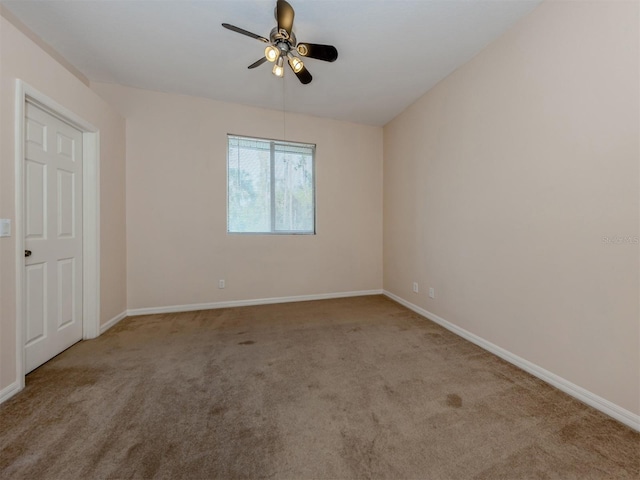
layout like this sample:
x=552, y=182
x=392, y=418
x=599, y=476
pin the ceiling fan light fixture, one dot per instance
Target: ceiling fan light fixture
x=271, y=53
x=278, y=68
x=282, y=43
x=296, y=63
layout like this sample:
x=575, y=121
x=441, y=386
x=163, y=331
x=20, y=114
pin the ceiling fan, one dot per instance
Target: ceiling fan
x=282, y=44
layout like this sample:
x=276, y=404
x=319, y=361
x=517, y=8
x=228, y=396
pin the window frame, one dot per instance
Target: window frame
x=272, y=143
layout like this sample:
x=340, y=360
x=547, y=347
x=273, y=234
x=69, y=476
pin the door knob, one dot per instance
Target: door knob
x=27, y=253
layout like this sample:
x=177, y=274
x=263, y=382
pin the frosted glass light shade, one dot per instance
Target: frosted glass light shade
x=296, y=63
x=278, y=69
x=271, y=53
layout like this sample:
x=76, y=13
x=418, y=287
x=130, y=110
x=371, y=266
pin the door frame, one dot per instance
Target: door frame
x=90, y=215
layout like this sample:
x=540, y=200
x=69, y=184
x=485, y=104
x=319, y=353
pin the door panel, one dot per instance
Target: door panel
x=66, y=202
x=36, y=280
x=66, y=292
x=37, y=133
x=53, y=233
x=35, y=205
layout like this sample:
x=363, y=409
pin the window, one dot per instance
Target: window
x=270, y=186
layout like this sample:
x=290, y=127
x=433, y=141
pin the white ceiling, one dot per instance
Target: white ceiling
x=390, y=51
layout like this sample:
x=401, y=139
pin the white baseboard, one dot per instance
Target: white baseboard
x=9, y=391
x=106, y=326
x=246, y=303
x=605, y=406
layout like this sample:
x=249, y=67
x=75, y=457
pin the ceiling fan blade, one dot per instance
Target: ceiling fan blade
x=304, y=76
x=284, y=15
x=233, y=28
x=328, y=53
x=258, y=63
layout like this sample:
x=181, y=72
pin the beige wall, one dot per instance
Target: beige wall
x=177, y=243
x=21, y=58
x=501, y=182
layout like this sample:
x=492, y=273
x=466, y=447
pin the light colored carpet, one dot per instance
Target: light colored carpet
x=346, y=388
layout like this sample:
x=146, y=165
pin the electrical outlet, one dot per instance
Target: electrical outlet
x=221, y=284
x=5, y=227
x=432, y=293
x=415, y=287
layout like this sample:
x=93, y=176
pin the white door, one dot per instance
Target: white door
x=53, y=236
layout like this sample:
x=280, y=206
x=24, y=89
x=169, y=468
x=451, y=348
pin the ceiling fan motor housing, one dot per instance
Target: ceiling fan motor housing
x=281, y=37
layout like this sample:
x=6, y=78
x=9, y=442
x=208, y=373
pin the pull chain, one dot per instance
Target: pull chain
x=284, y=112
